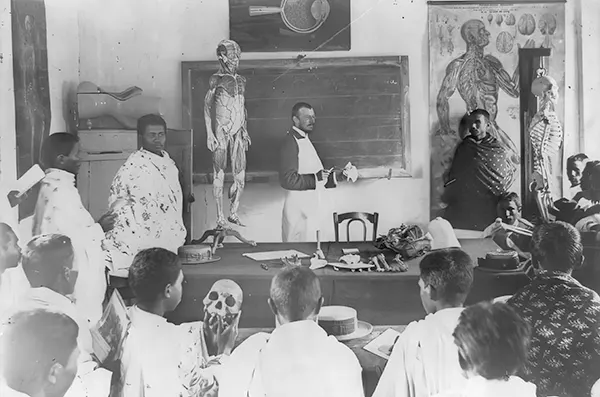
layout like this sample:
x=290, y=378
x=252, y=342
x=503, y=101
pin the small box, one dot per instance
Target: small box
x=348, y=251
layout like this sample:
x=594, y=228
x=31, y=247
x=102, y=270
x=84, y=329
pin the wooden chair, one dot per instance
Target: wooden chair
x=362, y=217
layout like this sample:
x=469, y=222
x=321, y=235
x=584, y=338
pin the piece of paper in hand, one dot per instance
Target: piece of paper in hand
x=29, y=179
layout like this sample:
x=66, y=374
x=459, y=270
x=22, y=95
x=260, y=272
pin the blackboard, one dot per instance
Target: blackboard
x=361, y=106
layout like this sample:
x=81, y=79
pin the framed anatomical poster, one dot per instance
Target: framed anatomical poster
x=290, y=25
x=474, y=64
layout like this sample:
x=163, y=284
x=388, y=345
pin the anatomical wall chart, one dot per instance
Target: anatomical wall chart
x=474, y=63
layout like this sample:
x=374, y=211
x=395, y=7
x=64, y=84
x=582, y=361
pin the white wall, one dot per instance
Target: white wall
x=145, y=45
x=142, y=42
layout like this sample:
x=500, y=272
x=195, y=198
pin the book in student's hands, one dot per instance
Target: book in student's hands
x=108, y=335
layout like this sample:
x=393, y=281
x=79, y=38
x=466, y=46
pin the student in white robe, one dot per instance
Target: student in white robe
x=493, y=343
x=297, y=358
x=48, y=265
x=147, y=198
x=39, y=354
x=59, y=210
x=424, y=360
x=160, y=359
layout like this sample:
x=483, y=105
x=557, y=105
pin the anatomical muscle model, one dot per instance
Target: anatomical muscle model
x=226, y=128
x=546, y=135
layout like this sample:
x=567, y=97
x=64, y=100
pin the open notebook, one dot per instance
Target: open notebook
x=109, y=333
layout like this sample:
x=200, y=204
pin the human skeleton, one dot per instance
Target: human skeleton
x=228, y=129
x=546, y=135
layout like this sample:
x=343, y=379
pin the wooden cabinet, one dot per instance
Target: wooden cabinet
x=103, y=152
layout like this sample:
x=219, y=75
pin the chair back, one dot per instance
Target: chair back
x=362, y=217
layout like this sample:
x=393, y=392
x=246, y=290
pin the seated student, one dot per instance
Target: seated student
x=297, y=358
x=13, y=282
x=492, y=345
x=564, y=316
x=39, y=354
x=575, y=166
x=425, y=359
x=48, y=265
x=161, y=359
x=10, y=252
x=589, y=220
x=583, y=204
x=508, y=210
x=59, y=210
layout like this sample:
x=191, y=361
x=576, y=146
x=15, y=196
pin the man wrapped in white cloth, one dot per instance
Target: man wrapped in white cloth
x=424, y=360
x=146, y=195
x=161, y=359
x=297, y=358
x=59, y=210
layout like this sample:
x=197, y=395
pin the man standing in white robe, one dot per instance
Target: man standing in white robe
x=59, y=210
x=297, y=358
x=424, y=360
x=146, y=195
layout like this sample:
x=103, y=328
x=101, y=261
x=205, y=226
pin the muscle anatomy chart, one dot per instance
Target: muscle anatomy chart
x=483, y=73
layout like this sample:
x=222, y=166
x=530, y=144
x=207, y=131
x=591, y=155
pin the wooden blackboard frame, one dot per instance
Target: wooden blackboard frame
x=188, y=67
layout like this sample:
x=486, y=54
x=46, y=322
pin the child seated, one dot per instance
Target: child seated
x=492, y=341
x=160, y=359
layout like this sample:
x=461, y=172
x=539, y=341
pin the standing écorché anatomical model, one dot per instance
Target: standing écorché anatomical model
x=227, y=130
x=546, y=135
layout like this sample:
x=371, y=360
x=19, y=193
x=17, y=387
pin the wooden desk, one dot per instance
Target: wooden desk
x=371, y=364
x=379, y=298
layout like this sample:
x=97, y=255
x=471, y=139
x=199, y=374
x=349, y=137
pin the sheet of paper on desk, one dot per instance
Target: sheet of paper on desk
x=274, y=255
x=383, y=344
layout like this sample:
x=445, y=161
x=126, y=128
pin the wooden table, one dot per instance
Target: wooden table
x=371, y=364
x=379, y=298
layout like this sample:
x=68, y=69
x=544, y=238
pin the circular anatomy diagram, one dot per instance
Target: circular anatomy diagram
x=505, y=42
x=526, y=25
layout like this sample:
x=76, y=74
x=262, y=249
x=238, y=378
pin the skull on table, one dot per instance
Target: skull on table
x=224, y=301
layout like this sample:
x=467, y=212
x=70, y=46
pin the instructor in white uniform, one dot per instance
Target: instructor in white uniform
x=302, y=175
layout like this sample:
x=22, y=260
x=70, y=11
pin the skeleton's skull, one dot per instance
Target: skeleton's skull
x=545, y=87
x=224, y=300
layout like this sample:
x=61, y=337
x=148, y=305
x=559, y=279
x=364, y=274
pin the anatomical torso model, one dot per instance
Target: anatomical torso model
x=546, y=135
x=225, y=117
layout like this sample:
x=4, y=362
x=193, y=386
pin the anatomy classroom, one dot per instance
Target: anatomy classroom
x=281, y=198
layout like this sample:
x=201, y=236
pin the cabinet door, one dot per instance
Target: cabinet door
x=179, y=147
